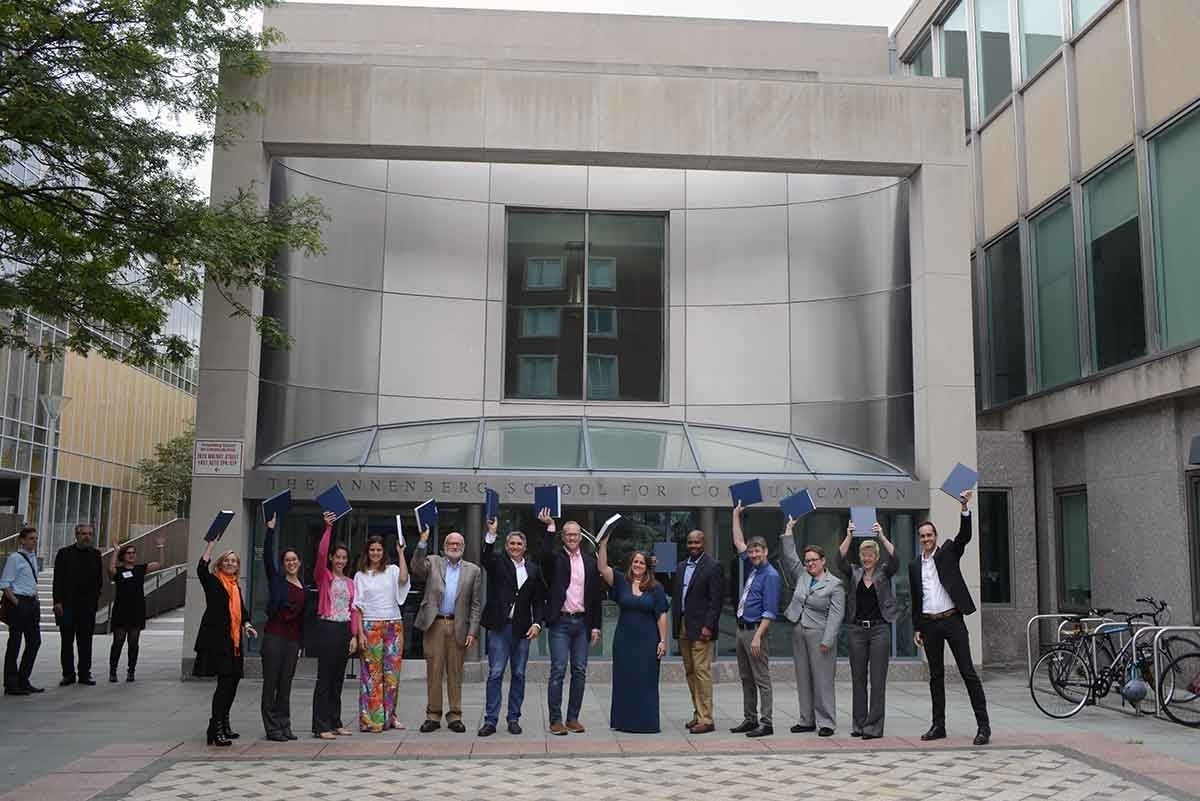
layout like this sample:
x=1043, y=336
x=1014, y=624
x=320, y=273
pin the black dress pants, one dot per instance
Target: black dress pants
x=279, y=657
x=24, y=624
x=333, y=651
x=952, y=631
x=77, y=625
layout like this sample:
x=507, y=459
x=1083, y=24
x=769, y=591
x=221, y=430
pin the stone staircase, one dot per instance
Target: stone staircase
x=169, y=623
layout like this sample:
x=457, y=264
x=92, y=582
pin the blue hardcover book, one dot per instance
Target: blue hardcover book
x=491, y=504
x=548, y=498
x=863, y=518
x=277, y=506
x=748, y=492
x=961, y=479
x=427, y=515
x=665, y=556
x=219, y=524
x=798, y=505
x=334, y=500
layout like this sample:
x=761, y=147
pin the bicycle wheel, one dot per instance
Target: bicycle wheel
x=1179, y=689
x=1061, y=682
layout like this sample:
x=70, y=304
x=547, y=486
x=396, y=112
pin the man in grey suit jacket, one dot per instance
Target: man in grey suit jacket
x=817, y=607
x=449, y=616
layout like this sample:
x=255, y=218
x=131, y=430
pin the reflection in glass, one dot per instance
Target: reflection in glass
x=829, y=460
x=722, y=450
x=1057, y=336
x=1115, y=265
x=1041, y=33
x=995, y=60
x=1006, y=318
x=1176, y=163
x=922, y=63
x=341, y=449
x=537, y=376
x=954, y=54
x=533, y=444
x=1074, y=552
x=540, y=322
x=1084, y=10
x=602, y=376
x=995, y=573
x=438, y=445
x=639, y=446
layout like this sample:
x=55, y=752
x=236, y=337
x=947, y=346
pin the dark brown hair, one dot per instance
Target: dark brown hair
x=817, y=549
x=648, y=581
x=929, y=523
x=364, y=561
x=123, y=549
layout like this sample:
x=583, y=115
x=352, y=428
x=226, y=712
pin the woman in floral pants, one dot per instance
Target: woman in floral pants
x=379, y=593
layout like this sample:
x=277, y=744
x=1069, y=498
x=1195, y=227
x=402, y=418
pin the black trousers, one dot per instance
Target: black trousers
x=952, y=631
x=24, y=624
x=222, y=700
x=279, y=657
x=119, y=638
x=333, y=651
x=77, y=625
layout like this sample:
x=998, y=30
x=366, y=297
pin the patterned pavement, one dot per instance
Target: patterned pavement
x=994, y=774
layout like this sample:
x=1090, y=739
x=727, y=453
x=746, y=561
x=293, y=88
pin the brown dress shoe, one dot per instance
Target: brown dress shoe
x=703, y=728
x=690, y=723
x=558, y=728
x=575, y=726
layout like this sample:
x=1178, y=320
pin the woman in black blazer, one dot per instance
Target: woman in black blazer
x=220, y=642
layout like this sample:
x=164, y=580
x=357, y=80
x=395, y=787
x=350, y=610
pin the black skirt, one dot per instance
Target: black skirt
x=212, y=663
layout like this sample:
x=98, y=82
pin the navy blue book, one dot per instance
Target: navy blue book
x=219, y=524
x=277, y=506
x=863, y=518
x=798, y=505
x=334, y=500
x=548, y=498
x=961, y=479
x=427, y=514
x=748, y=492
x=491, y=504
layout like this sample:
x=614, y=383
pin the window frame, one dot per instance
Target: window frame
x=608, y=261
x=529, y=357
x=1006, y=492
x=540, y=287
x=615, y=360
x=1053, y=205
x=1059, y=494
x=990, y=319
x=1192, y=479
x=611, y=333
x=524, y=334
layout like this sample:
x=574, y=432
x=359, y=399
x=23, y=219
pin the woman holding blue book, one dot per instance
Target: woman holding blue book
x=282, y=636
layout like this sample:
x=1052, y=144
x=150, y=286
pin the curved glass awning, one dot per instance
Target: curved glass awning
x=586, y=444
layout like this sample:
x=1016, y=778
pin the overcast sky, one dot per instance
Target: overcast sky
x=885, y=13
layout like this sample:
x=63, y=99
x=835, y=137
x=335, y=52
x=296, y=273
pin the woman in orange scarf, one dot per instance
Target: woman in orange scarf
x=220, y=640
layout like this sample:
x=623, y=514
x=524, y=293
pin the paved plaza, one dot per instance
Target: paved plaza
x=144, y=741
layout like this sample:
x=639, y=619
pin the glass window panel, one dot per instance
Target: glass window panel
x=729, y=451
x=831, y=460
x=342, y=449
x=1115, y=265
x=635, y=246
x=1074, y=552
x=602, y=272
x=1176, y=161
x=977, y=349
x=1084, y=10
x=1006, y=318
x=1053, y=244
x=995, y=569
x=922, y=63
x=537, y=376
x=444, y=445
x=954, y=54
x=540, y=322
x=639, y=446
x=1041, y=33
x=995, y=59
x=533, y=444
x=545, y=268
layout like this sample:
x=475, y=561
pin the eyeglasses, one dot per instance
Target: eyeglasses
x=812, y=561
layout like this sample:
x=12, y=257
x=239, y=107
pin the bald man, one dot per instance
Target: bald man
x=697, y=590
x=449, y=617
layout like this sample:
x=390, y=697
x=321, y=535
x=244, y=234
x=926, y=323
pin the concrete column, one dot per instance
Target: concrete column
x=943, y=369
x=227, y=403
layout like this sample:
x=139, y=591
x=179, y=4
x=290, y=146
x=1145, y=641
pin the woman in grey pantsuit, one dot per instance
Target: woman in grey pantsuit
x=870, y=611
x=816, y=609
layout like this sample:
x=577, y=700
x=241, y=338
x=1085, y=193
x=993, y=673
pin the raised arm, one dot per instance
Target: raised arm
x=112, y=561
x=401, y=563
x=547, y=556
x=843, y=556
x=487, y=554
x=890, y=564
x=606, y=572
x=964, y=526
x=739, y=539
x=321, y=567
x=160, y=544
x=271, y=549
x=787, y=549
x=420, y=558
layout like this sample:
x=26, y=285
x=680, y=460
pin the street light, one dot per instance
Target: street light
x=53, y=406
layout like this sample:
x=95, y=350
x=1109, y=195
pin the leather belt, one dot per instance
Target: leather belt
x=745, y=625
x=866, y=624
x=445, y=617
x=940, y=615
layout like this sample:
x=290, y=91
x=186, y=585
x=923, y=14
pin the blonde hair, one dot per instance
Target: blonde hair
x=228, y=554
x=868, y=545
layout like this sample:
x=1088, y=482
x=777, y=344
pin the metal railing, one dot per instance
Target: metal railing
x=1029, y=636
x=1158, y=651
x=150, y=587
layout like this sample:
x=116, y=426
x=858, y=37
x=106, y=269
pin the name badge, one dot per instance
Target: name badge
x=127, y=574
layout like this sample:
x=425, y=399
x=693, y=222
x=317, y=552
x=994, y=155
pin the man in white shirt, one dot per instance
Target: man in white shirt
x=939, y=603
x=513, y=616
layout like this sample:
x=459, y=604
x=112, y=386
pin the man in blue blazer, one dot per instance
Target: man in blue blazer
x=513, y=615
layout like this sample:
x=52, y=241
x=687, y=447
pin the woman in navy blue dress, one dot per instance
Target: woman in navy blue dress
x=638, y=645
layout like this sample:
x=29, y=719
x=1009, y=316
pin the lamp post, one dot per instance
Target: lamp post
x=53, y=406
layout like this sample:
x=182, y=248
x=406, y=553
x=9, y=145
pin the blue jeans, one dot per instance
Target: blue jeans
x=569, y=639
x=503, y=649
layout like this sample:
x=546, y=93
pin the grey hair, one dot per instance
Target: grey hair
x=516, y=534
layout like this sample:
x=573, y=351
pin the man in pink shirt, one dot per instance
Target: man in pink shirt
x=572, y=615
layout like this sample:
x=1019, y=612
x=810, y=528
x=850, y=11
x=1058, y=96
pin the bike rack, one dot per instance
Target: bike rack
x=1158, y=659
x=1082, y=620
x=1029, y=633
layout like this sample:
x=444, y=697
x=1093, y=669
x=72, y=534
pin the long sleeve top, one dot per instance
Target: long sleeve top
x=324, y=579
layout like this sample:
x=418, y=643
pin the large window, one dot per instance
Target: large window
x=954, y=54
x=1041, y=33
x=995, y=59
x=1084, y=10
x=1115, y=265
x=1074, y=552
x=922, y=63
x=569, y=326
x=1006, y=318
x=1176, y=166
x=1194, y=549
x=995, y=560
x=1057, y=336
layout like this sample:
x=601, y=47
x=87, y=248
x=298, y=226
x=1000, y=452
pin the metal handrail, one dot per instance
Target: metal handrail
x=1158, y=662
x=1028, y=636
x=157, y=577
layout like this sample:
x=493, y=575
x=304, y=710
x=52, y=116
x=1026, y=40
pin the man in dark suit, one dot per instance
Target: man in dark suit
x=513, y=616
x=940, y=600
x=572, y=615
x=696, y=593
x=78, y=580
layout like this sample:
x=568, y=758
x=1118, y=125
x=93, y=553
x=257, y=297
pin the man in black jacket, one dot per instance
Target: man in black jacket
x=78, y=579
x=697, y=589
x=513, y=617
x=940, y=600
x=573, y=616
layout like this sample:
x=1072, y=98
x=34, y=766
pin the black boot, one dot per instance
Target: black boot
x=128, y=675
x=229, y=734
x=216, y=734
x=112, y=674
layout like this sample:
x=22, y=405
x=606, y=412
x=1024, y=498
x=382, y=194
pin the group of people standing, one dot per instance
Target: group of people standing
x=562, y=594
